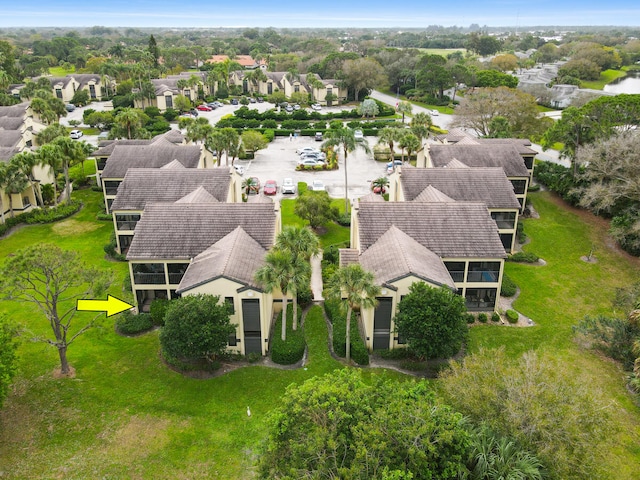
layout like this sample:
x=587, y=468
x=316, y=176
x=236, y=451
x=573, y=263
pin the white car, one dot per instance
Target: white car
x=302, y=150
x=288, y=186
x=435, y=113
x=239, y=169
x=75, y=134
x=310, y=162
x=358, y=135
x=317, y=186
x=316, y=107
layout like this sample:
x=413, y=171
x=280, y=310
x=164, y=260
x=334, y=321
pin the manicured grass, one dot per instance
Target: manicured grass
x=60, y=71
x=331, y=233
x=558, y=295
x=607, y=76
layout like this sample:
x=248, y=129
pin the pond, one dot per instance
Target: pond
x=628, y=84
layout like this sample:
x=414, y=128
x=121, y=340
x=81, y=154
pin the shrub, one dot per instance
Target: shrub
x=269, y=134
x=106, y=217
x=523, y=257
x=110, y=249
x=305, y=296
x=395, y=354
x=292, y=349
x=482, y=317
x=128, y=323
x=157, y=311
x=344, y=219
x=359, y=353
x=469, y=317
x=512, y=316
x=495, y=317
x=509, y=288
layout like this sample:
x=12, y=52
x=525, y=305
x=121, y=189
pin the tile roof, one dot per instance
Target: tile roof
x=11, y=123
x=154, y=155
x=483, y=155
x=157, y=185
x=396, y=255
x=488, y=185
x=348, y=256
x=18, y=110
x=10, y=138
x=199, y=195
x=372, y=197
x=105, y=147
x=432, y=194
x=182, y=230
x=522, y=144
x=459, y=229
x=235, y=256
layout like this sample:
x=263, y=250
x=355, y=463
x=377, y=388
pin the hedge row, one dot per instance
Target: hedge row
x=128, y=323
x=292, y=349
x=359, y=353
x=41, y=215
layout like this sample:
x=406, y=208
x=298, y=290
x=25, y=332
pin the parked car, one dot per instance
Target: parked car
x=188, y=115
x=69, y=107
x=316, y=106
x=315, y=155
x=302, y=150
x=270, y=187
x=218, y=103
x=318, y=136
x=397, y=163
x=288, y=186
x=255, y=187
x=310, y=162
x=296, y=107
x=288, y=109
x=75, y=134
x=260, y=99
x=252, y=100
x=213, y=105
x=234, y=101
x=239, y=169
x=204, y=108
x=358, y=135
x=435, y=113
x=317, y=186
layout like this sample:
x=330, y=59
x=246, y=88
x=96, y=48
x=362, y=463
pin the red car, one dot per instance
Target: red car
x=270, y=187
x=204, y=108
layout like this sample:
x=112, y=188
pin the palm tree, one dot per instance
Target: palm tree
x=302, y=244
x=389, y=136
x=247, y=184
x=72, y=153
x=3, y=180
x=50, y=155
x=275, y=274
x=14, y=183
x=26, y=161
x=410, y=143
x=404, y=108
x=356, y=288
x=381, y=184
x=129, y=119
x=345, y=139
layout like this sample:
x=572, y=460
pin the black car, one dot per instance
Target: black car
x=260, y=99
x=193, y=112
x=234, y=101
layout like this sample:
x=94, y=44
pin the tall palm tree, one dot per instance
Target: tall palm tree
x=345, y=139
x=72, y=153
x=26, y=161
x=356, y=288
x=275, y=274
x=50, y=155
x=404, y=108
x=14, y=183
x=410, y=143
x=129, y=119
x=390, y=136
x=302, y=244
x=3, y=179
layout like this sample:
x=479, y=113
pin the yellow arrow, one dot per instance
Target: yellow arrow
x=111, y=305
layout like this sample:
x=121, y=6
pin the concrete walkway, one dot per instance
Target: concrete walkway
x=316, y=277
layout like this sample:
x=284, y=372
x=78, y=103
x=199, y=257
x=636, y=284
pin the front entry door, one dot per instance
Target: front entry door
x=382, y=324
x=251, y=321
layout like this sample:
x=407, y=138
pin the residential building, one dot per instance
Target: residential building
x=452, y=244
x=168, y=88
x=211, y=248
x=487, y=185
x=65, y=87
x=167, y=185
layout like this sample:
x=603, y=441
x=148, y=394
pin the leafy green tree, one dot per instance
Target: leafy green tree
x=409, y=143
x=26, y=161
x=368, y=108
x=13, y=181
x=505, y=63
x=338, y=426
x=390, y=136
x=302, y=244
x=276, y=274
x=51, y=156
x=360, y=74
x=344, y=138
x=71, y=153
x=499, y=128
x=432, y=320
x=154, y=50
x=52, y=279
x=494, y=79
x=196, y=327
x=315, y=208
x=404, y=108
x=130, y=122
x=573, y=130
x=483, y=45
x=80, y=98
x=8, y=357
x=546, y=406
x=253, y=140
x=356, y=289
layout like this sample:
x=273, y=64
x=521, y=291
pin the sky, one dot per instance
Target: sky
x=304, y=14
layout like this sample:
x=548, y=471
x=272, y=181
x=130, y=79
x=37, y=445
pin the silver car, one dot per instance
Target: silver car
x=288, y=186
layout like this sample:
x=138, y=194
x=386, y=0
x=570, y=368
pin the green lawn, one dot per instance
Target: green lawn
x=60, y=71
x=606, y=76
x=126, y=415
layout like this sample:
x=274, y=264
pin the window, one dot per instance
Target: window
x=480, y=299
x=528, y=162
x=168, y=100
x=229, y=301
x=176, y=272
x=519, y=186
x=92, y=91
x=148, y=273
x=59, y=93
x=187, y=93
x=111, y=187
x=296, y=88
x=233, y=340
x=245, y=85
x=507, y=240
x=456, y=270
x=127, y=222
x=269, y=88
x=101, y=163
x=483, y=272
x=504, y=220
x=125, y=242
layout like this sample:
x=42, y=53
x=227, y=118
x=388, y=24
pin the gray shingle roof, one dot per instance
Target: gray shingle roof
x=18, y=110
x=235, y=256
x=348, y=256
x=155, y=185
x=396, y=255
x=154, y=155
x=106, y=146
x=372, y=197
x=488, y=185
x=199, y=195
x=182, y=230
x=522, y=144
x=11, y=123
x=483, y=155
x=460, y=229
x=10, y=138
